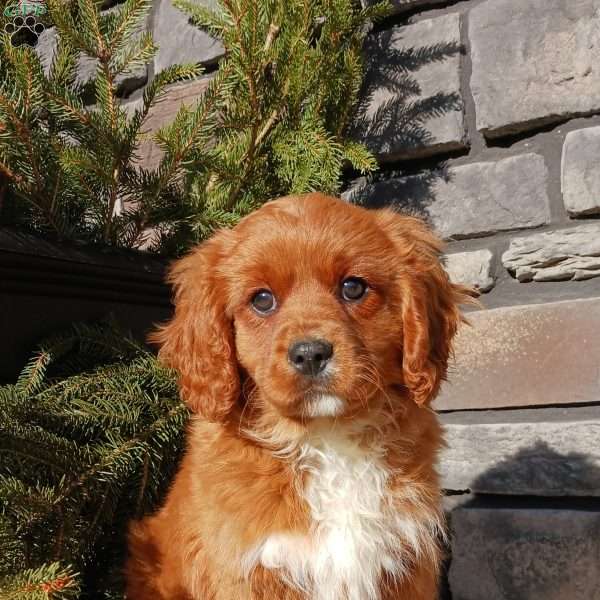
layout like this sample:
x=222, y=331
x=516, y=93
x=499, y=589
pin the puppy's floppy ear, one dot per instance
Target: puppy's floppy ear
x=199, y=340
x=429, y=304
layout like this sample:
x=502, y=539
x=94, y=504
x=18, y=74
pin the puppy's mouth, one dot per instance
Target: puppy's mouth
x=325, y=398
x=330, y=394
x=318, y=405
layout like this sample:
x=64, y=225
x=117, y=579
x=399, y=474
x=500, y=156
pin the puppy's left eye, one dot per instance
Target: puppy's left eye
x=354, y=288
x=263, y=302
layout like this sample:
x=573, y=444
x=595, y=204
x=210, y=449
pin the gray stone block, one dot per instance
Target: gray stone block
x=471, y=268
x=534, y=62
x=537, y=354
x=411, y=104
x=87, y=66
x=163, y=113
x=556, y=255
x=539, y=452
x=46, y=48
x=580, y=177
x=469, y=200
x=525, y=554
x=179, y=41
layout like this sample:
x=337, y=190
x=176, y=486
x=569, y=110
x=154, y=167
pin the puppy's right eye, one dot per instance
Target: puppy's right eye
x=263, y=302
x=354, y=288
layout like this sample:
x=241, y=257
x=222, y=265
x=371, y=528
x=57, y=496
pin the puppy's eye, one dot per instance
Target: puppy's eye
x=353, y=288
x=263, y=302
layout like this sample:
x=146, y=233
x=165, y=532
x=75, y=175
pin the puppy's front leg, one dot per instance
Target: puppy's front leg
x=267, y=584
x=419, y=584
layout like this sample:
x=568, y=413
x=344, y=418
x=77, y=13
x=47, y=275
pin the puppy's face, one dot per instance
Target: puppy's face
x=313, y=296
x=321, y=305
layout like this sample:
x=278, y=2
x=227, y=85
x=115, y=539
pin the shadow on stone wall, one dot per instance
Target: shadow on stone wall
x=411, y=193
x=395, y=117
x=534, y=535
x=393, y=110
x=539, y=470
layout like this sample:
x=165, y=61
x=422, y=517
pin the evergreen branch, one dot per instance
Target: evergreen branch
x=133, y=55
x=90, y=19
x=70, y=109
x=64, y=65
x=376, y=12
x=211, y=21
x=48, y=582
x=143, y=485
x=359, y=157
x=157, y=87
x=24, y=136
x=256, y=139
x=130, y=15
x=117, y=452
x=42, y=447
x=78, y=35
x=78, y=161
x=186, y=138
x=76, y=512
x=106, y=96
x=33, y=374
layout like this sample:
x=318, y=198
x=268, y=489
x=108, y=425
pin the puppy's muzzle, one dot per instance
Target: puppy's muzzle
x=310, y=357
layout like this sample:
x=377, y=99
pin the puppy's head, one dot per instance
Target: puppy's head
x=319, y=305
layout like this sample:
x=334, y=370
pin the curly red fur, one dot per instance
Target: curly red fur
x=198, y=342
x=431, y=313
x=247, y=515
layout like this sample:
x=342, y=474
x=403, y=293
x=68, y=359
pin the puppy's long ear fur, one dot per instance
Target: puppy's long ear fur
x=430, y=304
x=198, y=341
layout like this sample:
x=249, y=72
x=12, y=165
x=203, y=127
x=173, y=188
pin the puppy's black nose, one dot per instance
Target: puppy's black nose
x=310, y=357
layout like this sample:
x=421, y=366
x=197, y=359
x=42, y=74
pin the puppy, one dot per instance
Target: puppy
x=309, y=340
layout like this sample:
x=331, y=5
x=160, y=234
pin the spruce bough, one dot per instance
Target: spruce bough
x=89, y=436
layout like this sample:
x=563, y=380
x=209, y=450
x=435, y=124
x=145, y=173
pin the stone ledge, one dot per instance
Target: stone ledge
x=181, y=42
x=539, y=452
x=566, y=254
x=525, y=554
x=538, y=354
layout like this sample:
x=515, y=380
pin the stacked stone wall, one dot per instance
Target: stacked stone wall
x=507, y=169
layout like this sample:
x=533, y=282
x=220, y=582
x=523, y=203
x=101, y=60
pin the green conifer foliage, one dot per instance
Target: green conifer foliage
x=71, y=168
x=292, y=74
x=89, y=437
x=272, y=121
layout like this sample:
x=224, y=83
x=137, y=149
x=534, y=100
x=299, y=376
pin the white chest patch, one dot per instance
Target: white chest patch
x=356, y=531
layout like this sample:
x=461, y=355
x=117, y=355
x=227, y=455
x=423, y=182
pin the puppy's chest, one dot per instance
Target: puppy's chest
x=356, y=533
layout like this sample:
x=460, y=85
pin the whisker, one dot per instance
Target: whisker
x=371, y=375
x=249, y=396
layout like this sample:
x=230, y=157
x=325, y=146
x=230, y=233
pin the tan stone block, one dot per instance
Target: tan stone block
x=538, y=354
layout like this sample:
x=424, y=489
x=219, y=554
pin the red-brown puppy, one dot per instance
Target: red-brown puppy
x=309, y=341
